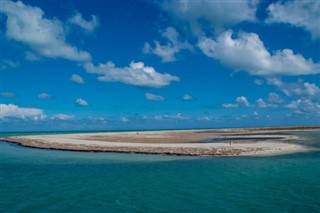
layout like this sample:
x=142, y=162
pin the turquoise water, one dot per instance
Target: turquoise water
x=34, y=180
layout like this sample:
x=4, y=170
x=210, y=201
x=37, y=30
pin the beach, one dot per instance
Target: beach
x=212, y=142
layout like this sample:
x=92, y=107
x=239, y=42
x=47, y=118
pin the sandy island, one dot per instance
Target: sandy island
x=215, y=142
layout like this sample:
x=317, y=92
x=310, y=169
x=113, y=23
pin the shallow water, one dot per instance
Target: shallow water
x=34, y=180
x=234, y=139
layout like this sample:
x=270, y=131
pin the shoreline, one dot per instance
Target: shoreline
x=208, y=142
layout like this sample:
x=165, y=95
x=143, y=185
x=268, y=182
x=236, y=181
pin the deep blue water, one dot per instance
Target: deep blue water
x=34, y=180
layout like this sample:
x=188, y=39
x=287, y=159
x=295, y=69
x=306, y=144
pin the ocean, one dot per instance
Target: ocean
x=36, y=180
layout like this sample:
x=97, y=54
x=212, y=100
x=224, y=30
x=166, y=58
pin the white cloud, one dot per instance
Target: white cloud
x=39, y=117
x=46, y=37
x=261, y=104
x=308, y=89
x=248, y=53
x=297, y=13
x=76, y=78
x=187, y=97
x=158, y=117
x=44, y=96
x=153, y=97
x=11, y=110
x=274, y=98
x=211, y=14
x=178, y=116
x=258, y=82
x=293, y=104
x=275, y=82
x=230, y=105
x=8, y=94
x=31, y=56
x=307, y=96
x=61, y=116
x=88, y=26
x=124, y=119
x=240, y=102
x=7, y=64
x=205, y=118
x=299, y=88
x=166, y=117
x=305, y=106
x=136, y=74
x=81, y=102
x=167, y=51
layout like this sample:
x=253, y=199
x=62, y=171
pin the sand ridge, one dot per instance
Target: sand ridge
x=222, y=142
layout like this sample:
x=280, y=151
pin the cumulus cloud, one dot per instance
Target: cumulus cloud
x=274, y=98
x=303, y=97
x=76, y=78
x=297, y=13
x=305, y=106
x=46, y=37
x=44, y=96
x=62, y=116
x=211, y=14
x=167, y=51
x=187, y=97
x=308, y=89
x=14, y=111
x=153, y=97
x=166, y=117
x=39, y=117
x=261, y=104
x=88, y=26
x=248, y=53
x=136, y=74
x=240, y=102
x=81, y=102
x=298, y=88
x=8, y=94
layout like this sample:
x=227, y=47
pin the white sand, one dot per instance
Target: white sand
x=244, y=148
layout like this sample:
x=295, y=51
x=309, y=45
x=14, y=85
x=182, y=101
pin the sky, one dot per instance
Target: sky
x=117, y=65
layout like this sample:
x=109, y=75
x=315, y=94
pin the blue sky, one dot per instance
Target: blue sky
x=106, y=65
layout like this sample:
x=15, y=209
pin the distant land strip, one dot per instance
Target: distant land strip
x=207, y=142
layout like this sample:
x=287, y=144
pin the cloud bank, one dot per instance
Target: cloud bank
x=11, y=110
x=304, y=14
x=46, y=37
x=248, y=53
x=216, y=15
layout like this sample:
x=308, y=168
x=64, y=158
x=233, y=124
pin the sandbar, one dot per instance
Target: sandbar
x=209, y=142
